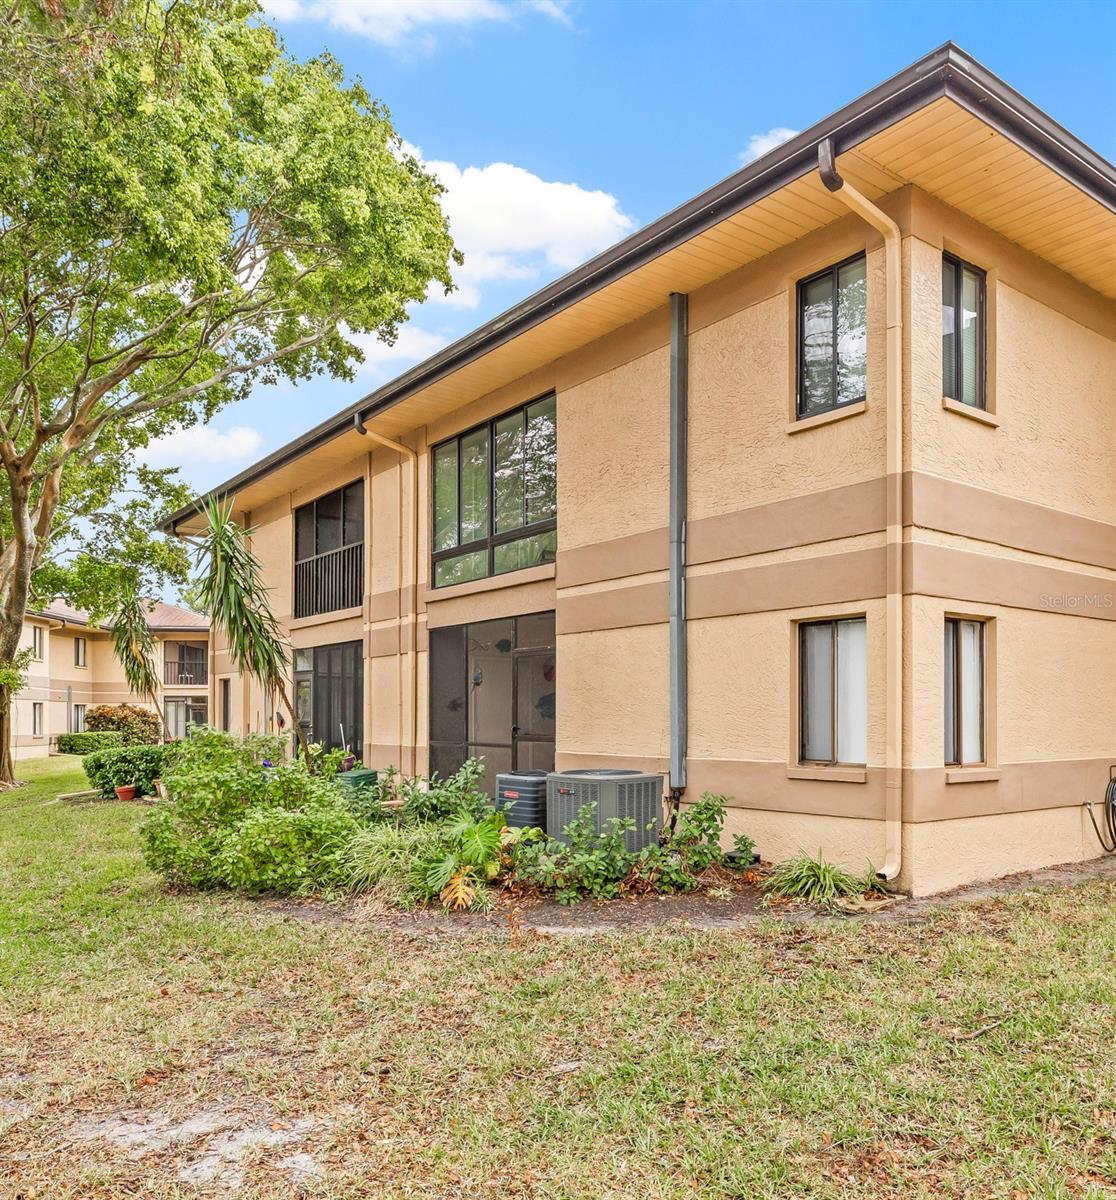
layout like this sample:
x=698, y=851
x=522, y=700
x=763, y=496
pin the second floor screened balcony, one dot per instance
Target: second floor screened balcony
x=329, y=552
x=186, y=664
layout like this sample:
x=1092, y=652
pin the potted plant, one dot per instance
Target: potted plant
x=126, y=791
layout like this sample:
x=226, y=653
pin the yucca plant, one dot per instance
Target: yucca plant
x=134, y=646
x=230, y=588
x=815, y=880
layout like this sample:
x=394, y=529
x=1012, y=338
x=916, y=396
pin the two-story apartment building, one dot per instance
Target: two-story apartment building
x=804, y=494
x=73, y=668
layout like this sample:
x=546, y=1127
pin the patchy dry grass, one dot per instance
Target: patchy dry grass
x=161, y=1045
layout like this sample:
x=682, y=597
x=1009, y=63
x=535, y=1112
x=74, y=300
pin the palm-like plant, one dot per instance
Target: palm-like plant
x=230, y=588
x=134, y=646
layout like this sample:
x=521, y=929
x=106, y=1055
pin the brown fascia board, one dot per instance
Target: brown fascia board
x=946, y=72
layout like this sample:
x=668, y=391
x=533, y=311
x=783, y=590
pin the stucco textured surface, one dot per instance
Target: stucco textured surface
x=944, y=854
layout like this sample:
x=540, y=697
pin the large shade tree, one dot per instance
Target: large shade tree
x=185, y=211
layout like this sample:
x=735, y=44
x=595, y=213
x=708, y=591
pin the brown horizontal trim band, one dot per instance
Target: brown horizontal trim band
x=799, y=583
x=966, y=511
x=1019, y=787
x=384, y=606
x=749, y=784
x=986, y=579
x=849, y=511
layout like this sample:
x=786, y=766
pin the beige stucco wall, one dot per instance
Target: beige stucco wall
x=57, y=683
x=788, y=524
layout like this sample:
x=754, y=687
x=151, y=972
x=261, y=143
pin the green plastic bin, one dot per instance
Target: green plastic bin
x=357, y=780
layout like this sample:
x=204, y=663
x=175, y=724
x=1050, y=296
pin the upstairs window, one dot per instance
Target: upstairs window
x=833, y=337
x=37, y=643
x=495, y=496
x=964, y=692
x=833, y=692
x=329, y=552
x=79, y=652
x=963, y=332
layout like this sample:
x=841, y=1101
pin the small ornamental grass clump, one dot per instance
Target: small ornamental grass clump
x=816, y=881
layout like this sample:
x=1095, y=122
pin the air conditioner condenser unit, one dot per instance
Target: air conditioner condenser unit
x=633, y=794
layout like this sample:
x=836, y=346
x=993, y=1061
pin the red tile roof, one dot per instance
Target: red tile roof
x=164, y=618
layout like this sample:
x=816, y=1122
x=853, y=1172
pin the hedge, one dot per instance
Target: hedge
x=136, y=765
x=136, y=725
x=89, y=742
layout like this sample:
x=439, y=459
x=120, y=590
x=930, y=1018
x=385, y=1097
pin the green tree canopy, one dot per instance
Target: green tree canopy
x=185, y=211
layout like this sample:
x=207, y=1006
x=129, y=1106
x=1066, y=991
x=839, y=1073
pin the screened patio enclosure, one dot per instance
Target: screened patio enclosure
x=493, y=696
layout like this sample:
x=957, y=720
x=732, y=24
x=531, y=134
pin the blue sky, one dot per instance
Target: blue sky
x=559, y=126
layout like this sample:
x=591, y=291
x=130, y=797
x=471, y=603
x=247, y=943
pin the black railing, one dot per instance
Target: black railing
x=183, y=673
x=330, y=581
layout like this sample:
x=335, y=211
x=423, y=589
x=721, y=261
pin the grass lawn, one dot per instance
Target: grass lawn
x=157, y=1045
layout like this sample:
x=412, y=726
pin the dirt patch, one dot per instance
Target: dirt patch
x=211, y=1148
x=722, y=908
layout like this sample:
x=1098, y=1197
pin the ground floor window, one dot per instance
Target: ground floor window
x=964, y=692
x=493, y=695
x=185, y=711
x=833, y=692
x=79, y=718
x=36, y=720
x=329, y=694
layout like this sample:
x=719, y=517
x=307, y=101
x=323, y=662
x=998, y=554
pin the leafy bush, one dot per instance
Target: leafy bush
x=137, y=726
x=234, y=819
x=815, y=880
x=588, y=863
x=675, y=864
x=471, y=859
x=89, y=743
x=287, y=850
x=437, y=799
x=137, y=766
x=744, y=848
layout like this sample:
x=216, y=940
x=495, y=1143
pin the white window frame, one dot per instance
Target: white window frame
x=38, y=717
x=38, y=643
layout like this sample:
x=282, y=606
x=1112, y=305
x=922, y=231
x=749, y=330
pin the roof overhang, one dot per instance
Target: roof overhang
x=945, y=124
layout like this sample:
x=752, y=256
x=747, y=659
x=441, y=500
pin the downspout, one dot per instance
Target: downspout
x=412, y=457
x=679, y=394
x=893, y=251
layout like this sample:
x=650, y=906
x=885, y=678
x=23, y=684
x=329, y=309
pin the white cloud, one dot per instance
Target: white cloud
x=759, y=143
x=411, y=346
x=513, y=226
x=203, y=443
x=399, y=22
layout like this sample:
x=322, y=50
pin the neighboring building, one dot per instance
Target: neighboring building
x=73, y=668
x=895, y=567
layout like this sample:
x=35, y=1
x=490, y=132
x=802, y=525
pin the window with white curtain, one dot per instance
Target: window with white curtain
x=833, y=691
x=963, y=332
x=964, y=692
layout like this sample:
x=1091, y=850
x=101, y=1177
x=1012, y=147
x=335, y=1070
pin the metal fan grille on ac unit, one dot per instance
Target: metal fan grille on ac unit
x=614, y=794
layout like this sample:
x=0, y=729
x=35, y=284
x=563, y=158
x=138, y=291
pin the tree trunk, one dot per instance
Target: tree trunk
x=162, y=716
x=300, y=733
x=9, y=648
x=7, y=767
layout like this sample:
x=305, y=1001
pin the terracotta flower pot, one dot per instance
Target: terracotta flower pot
x=126, y=792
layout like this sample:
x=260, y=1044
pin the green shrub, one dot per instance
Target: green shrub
x=440, y=799
x=587, y=864
x=815, y=880
x=744, y=848
x=137, y=766
x=89, y=742
x=287, y=850
x=240, y=816
x=137, y=726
